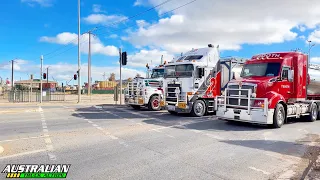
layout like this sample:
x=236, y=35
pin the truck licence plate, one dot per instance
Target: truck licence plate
x=171, y=108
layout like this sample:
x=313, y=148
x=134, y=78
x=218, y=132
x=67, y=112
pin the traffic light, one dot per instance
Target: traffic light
x=75, y=76
x=124, y=58
x=147, y=66
x=62, y=85
x=44, y=76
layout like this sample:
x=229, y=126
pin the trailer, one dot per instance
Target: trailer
x=273, y=87
x=194, y=79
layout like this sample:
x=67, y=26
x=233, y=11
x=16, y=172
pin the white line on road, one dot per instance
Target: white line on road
x=259, y=170
x=95, y=125
x=10, y=140
x=90, y=122
x=22, y=154
x=1, y=149
x=100, y=128
x=47, y=139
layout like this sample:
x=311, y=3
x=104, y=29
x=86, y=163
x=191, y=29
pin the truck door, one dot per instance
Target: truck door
x=286, y=87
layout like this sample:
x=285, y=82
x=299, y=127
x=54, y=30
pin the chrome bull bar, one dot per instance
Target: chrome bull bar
x=134, y=94
x=223, y=101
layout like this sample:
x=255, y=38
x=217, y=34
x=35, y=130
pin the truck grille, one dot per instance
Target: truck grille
x=238, y=93
x=171, y=97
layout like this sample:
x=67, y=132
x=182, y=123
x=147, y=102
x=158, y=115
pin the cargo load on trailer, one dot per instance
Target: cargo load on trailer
x=273, y=87
x=146, y=92
x=193, y=80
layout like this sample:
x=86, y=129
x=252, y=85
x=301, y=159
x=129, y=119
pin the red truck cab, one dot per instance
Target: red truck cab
x=272, y=88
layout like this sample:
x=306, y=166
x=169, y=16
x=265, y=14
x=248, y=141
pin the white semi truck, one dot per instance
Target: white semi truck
x=146, y=92
x=194, y=79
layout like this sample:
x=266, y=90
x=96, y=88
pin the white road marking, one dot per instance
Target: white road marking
x=95, y=125
x=10, y=140
x=156, y=130
x=1, y=149
x=100, y=128
x=90, y=122
x=259, y=170
x=113, y=137
x=47, y=140
x=214, y=136
x=140, y=124
x=180, y=125
x=22, y=154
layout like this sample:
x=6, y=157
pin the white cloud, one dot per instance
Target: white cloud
x=302, y=37
x=315, y=36
x=44, y=3
x=138, y=3
x=104, y=19
x=19, y=65
x=315, y=60
x=113, y=36
x=229, y=24
x=97, y=47
x=141, y=58
x=96, y=8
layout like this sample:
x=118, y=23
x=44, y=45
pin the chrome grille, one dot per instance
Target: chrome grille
x=239, y=93
x=171, y=96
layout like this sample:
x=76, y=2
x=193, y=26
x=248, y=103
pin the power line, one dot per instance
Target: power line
x=136, y=15
x=117, y=22
x=190, y=2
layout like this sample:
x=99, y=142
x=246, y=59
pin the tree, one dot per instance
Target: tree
x=112, y=77
x=138, y=75
x=129, y=79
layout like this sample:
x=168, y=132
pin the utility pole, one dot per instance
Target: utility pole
x=47, y=75
x=12, y=63
x=308, y=60
x=89, y=65
x=41, y=62
x=120, y=59
x=79, y=63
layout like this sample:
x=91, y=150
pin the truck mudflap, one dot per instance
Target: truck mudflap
x=243, y=108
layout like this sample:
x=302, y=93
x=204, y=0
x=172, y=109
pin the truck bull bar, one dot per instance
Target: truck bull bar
x=134, y=94
x=224, y=101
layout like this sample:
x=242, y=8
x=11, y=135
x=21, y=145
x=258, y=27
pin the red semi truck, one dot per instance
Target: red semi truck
x=273, y=87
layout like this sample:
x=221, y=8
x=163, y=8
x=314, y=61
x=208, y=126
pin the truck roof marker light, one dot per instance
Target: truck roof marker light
x=189, y=93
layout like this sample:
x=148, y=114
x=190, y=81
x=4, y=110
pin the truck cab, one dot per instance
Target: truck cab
x=187, y=78
x=146, y=92
x=272, y=87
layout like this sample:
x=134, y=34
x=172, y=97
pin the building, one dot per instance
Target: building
x=35, y=83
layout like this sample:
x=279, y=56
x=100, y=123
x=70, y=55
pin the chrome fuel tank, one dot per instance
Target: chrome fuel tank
x=314, y=85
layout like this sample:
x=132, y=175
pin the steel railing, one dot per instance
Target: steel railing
x=223, y=101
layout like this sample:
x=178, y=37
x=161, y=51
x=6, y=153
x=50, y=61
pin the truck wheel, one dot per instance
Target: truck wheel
x=154, y=103
x=279, y=116
x=135, y=107
x=313, y=113
x=198, y=108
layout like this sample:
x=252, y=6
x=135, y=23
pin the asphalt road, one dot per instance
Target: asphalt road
x=106, y=142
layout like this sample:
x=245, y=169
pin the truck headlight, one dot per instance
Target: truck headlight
x=254, y=95
x=222, y=93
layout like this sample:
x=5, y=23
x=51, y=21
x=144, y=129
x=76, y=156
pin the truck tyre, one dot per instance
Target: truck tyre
x=154, y=103
x=135, y=107
x=279, y=116
x=198, y=108
x=313, y=113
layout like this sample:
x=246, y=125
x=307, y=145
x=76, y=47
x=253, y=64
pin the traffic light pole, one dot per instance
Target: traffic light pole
x=41, y=61
x=47, y=75
x=120, y=75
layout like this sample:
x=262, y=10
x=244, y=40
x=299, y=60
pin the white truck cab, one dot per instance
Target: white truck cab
x=147, y=92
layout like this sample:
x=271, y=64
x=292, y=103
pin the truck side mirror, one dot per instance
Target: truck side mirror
x=290, y=75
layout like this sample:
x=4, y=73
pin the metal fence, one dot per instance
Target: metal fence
x=28, y=96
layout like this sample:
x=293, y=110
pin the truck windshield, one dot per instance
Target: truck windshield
x=261, y=69
x=193, y=57
x=183, y=70
x=157, y=73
